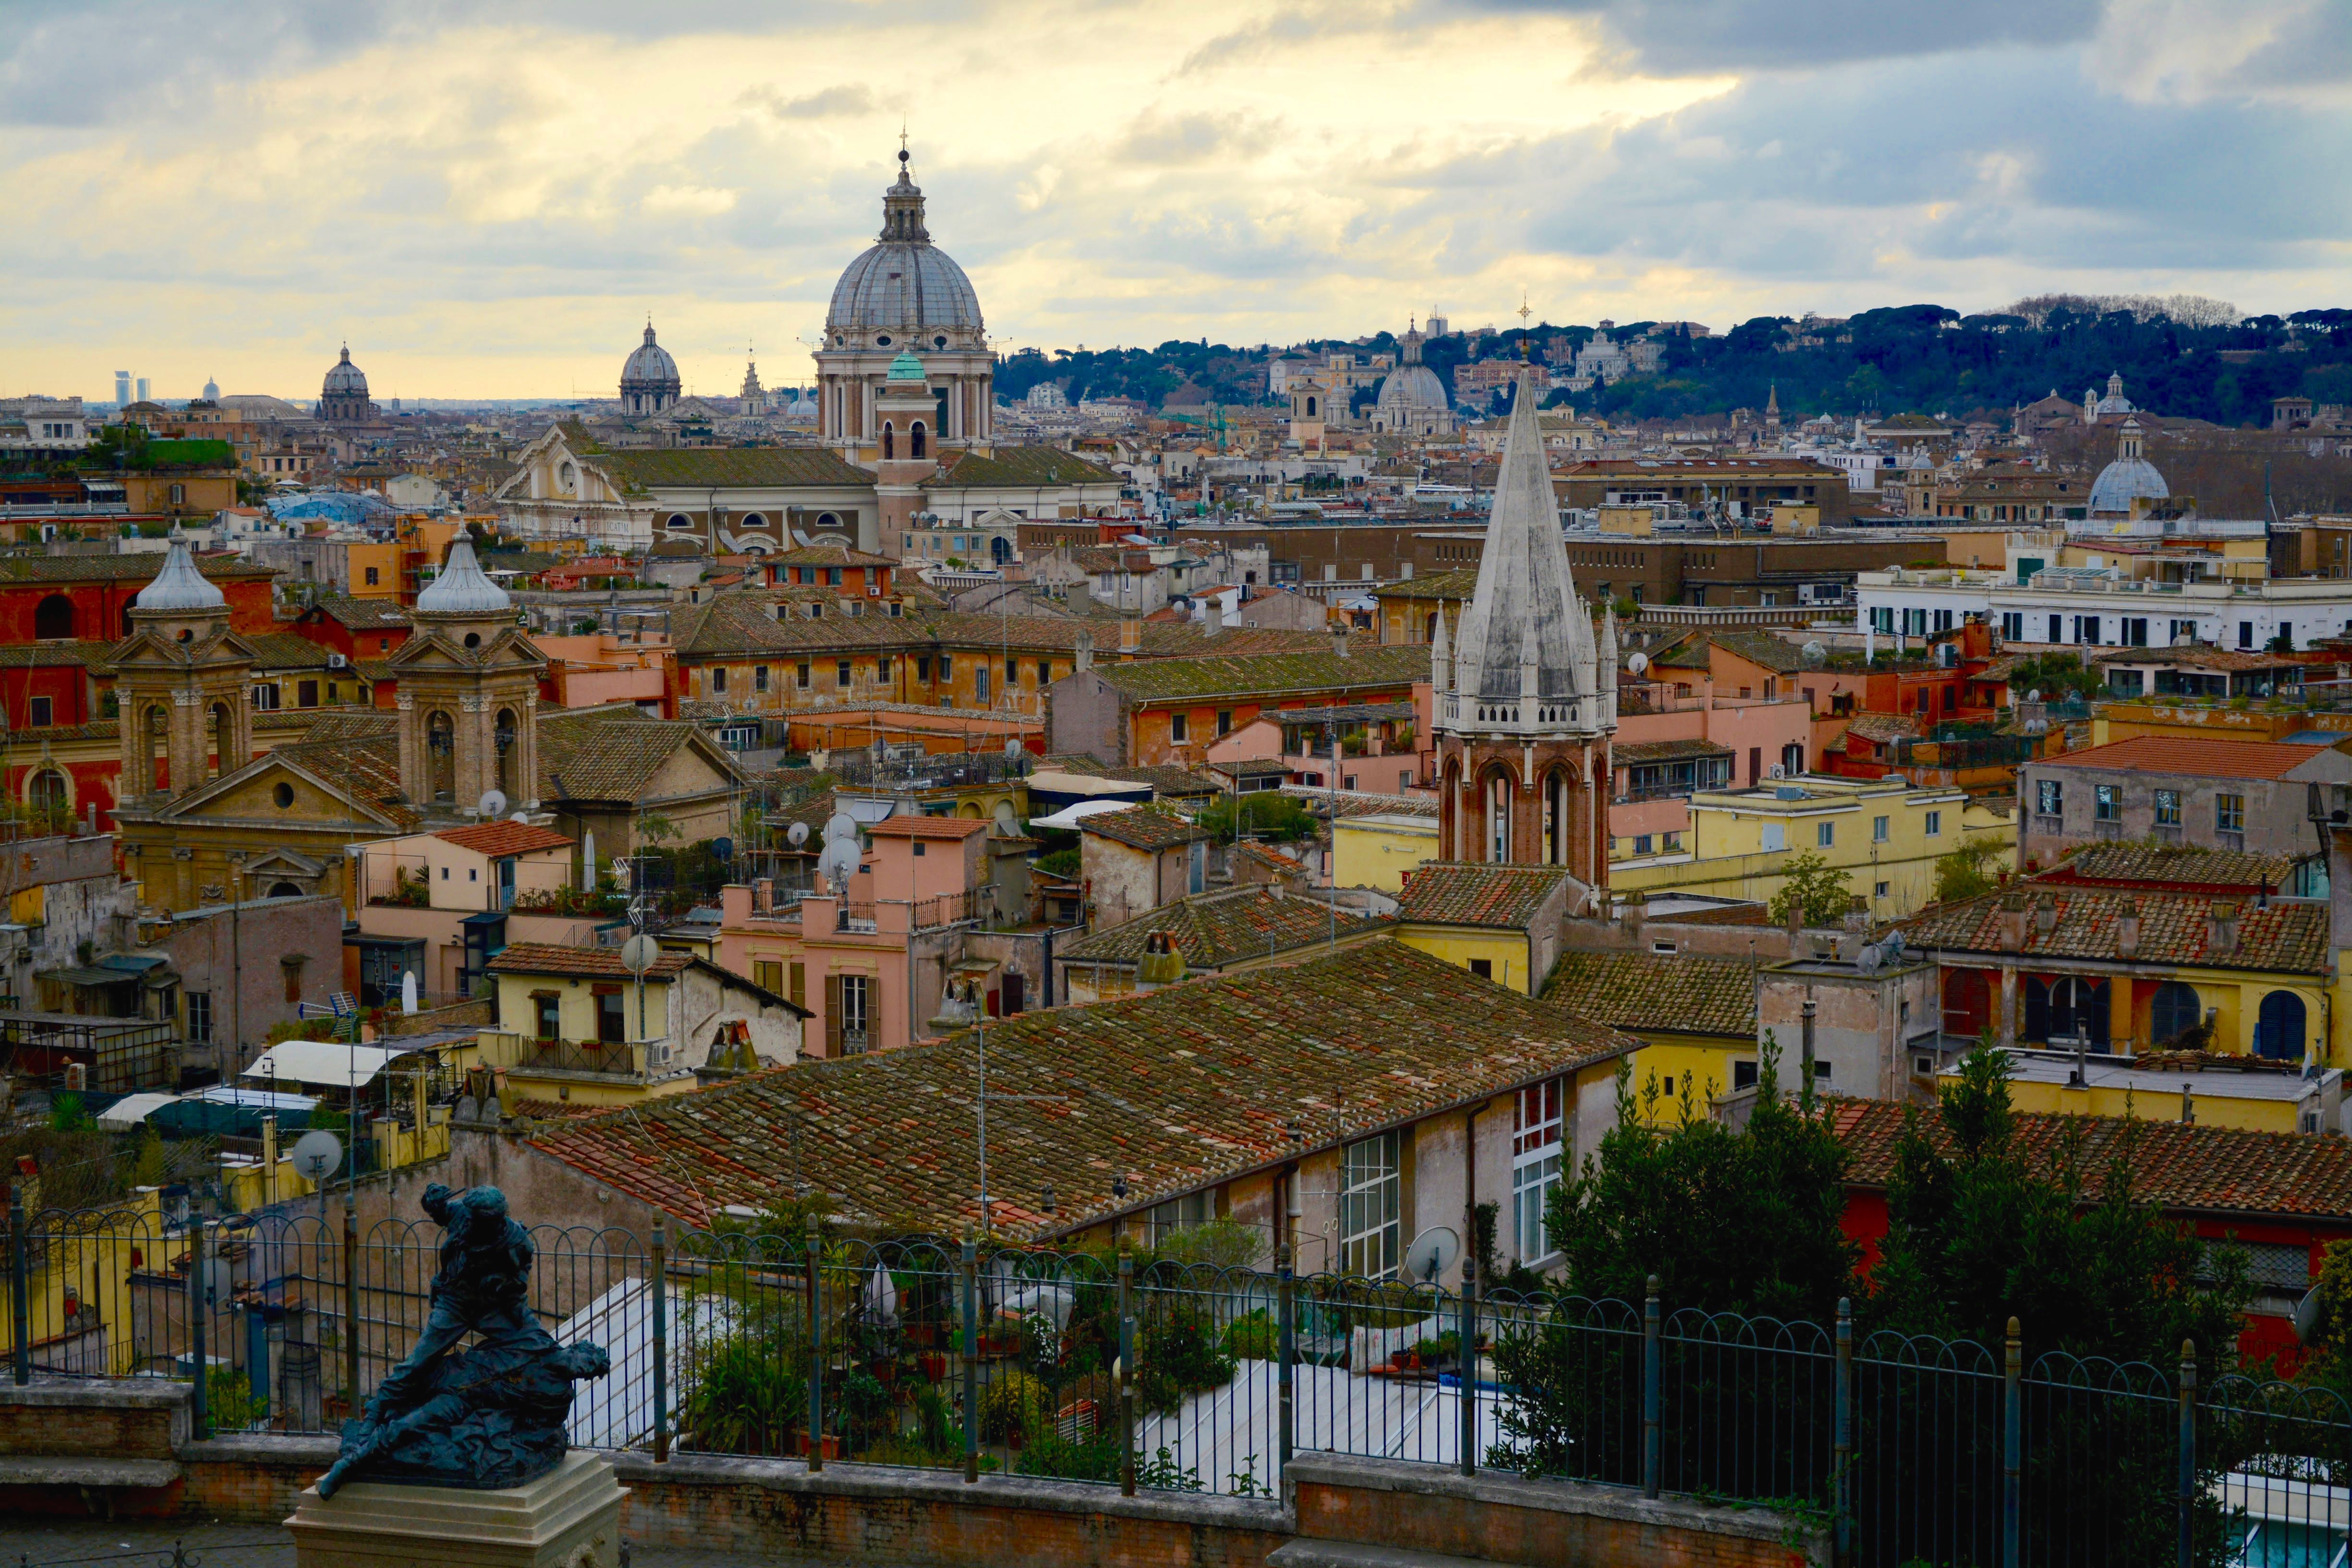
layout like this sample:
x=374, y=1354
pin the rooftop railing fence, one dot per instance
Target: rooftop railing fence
x=1157, y=1376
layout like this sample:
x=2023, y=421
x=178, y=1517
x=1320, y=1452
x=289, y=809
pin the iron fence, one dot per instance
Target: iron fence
x=1150, y=1374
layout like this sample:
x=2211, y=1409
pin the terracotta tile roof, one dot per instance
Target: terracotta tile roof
x=829, y=555
x=1024, y=466
x=1884, y=727
x=58, y=651
x=1651, y=994
x=1666, y=751
x=908, y=826
x=2179, y=1166
x=731, y=467
x=1142, y=827
x=1268, y=676
x=608, y=754
x=1776, y=654
x=2288, y=937
x=1167, y=783
x=2195, y=757
x=1359, y=802
x=1213, y=929
x=286, y=651
x=1459, y=583
x=497, y=838
x=135, y=568
x=597, y=962
x=1172, y=1091
x=2173, y=865
x=1267, y=855
x=1476, y=893
x=363, y=615
x=352, y=754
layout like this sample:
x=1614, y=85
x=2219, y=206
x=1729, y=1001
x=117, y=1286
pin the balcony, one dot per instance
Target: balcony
x=636, y=1059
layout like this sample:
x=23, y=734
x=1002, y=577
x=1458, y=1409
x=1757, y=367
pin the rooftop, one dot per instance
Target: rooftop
x=587, y=962
x=2196, y=758
x=2174, y=928
x=1651, y=993
x=1213, y=929
x=1476, y=893
x=907, y=824
x=497, y=838
x=1142, y=827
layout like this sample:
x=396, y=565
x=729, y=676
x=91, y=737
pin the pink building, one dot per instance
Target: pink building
x=1671, y=745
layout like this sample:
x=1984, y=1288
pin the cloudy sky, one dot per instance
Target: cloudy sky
x=487, y=199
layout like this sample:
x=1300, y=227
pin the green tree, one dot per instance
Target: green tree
x=1815, y=887
x=1263, y=814
x=1968, y=872
x=2054, y=675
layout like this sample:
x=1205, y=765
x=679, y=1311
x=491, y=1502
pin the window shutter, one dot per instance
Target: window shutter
x=832, y=1016
x=799, y=993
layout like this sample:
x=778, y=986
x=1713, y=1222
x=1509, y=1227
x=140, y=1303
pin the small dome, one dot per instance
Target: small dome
x=2124, y=480
x=905, y=368
x=212, y=390
x=461, y=589
x=345, y=378
x=179, y=586
x=649, y=368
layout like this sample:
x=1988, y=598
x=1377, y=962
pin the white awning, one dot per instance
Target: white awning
x=1069, y=817
x=1052, y=781
x=325, y=1063
x=133, y=1109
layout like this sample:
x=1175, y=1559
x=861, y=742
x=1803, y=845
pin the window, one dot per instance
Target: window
x=1372, y=1203
x=2167, y=808
x=1178, y=730
x=719, y=678
x=882, y=670
x=2230, y=813
x=612, y=1021
x=849, y=1014
x=1881, y=890
x=1484, y=968
x=200, y=1016
x=1534, y=1166
x=923, y=667
x=547, y=1015
x=1644, y=844
x=373, y=581
x=841, y=673
x=1225, y=720
x=1879, y=829
x=2107, y=803
x=979, y=681
x=759, y=678
x=1934, y=825
x=1671, y=843
x=2245, y=634
x=947, y=667
x=801, y=676
x=1826, y=834
x=43, y=712
x=2049, y=797
x=2012, y=626
x=307, y=694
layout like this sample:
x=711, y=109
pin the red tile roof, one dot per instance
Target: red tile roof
x=1476, y=893
x=2289, y=936
x=2198, y=758
x=495, y=838
x=2179, y=1166
x=1143, y=827
x=908, y=826
x=586, y=962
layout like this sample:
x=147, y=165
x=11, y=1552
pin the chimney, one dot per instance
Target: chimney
x=1636, y=911
x=1340, y=641
x=2221, y=929
x=2012, y=923
x=1086, y=650
x=2127, y=930
x=2045, y=912
x=1131, y=636
x=1213, y=616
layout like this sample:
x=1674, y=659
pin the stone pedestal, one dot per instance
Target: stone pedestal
x=569, y=1518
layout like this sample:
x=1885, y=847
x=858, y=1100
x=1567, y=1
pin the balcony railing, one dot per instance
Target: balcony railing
x=628, y=1058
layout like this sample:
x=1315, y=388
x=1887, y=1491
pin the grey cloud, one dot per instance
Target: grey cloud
x=1159, y=137
x=848, y=99
x=1676, y=37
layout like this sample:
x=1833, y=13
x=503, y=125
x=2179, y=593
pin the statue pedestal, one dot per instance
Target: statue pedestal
x=569, y=1518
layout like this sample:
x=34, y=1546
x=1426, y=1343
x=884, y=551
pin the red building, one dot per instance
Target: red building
x=87, y=597
x=831, y=566
x=356, y=628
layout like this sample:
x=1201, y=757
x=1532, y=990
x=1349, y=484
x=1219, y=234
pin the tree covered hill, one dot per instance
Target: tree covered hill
x=2183, y=358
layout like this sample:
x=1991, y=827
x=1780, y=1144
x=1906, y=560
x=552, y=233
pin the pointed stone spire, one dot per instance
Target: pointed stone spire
x=1607, y=661
x=1528, y=666
x=1523, y=581
x=1441, y=655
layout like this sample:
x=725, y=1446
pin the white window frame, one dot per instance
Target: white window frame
x=856, y=1014
x=1538, y=1132
x=1824, y=835
x=1934, y=826
x=1372, y=1204
x=1882, y=829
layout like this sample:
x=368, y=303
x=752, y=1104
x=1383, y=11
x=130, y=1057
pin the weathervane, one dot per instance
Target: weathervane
x=1524, y=313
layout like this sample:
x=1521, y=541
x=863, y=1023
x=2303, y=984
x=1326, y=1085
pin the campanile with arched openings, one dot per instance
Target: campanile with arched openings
x=180, y=681
x=468, y=694
x=1526, y=693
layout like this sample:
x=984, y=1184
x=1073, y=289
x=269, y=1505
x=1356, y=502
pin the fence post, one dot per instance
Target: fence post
x=1126, y=1376
x=1842, y=1426
x=660, y=1271
x=2012, y=1440
x=20, y=1287
x=2187, y=1452
x=970, y=1362
x=1285, y=1347
x=351, y=1295
x=1650, y=1456
x=816, y=1354
x=1466, y=1357
x=199, y=1308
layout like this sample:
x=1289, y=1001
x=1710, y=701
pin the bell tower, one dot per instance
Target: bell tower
x=905, y=417
x=181, y=679
x=468, y=695
x=1526, y=697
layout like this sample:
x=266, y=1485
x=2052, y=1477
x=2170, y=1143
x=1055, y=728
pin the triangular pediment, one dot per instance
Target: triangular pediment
x=146, y=646
x=431, y=648
x=284, y=863
x=240, y=796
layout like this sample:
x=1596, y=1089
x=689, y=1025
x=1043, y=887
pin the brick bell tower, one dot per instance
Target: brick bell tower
x=1526, y=697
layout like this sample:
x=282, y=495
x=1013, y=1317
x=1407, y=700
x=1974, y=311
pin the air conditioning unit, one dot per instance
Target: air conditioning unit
x=337, y=661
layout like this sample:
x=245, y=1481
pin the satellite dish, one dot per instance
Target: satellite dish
x=1638, y=665
x=722, y=849
x=493, y=802
x=796, y=835
x=840, y=825
x=840, y=861
x=1013, y=746
x=1869, y=958
x=1432, y=1252
x=1892, y=942
x=2034, y=695
x=2306, y=1316
x=316, y=1155
x=640, y=953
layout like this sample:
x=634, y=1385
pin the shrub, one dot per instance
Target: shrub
x=1178, y=1356
x=749, y=1396
x=1015, y=1401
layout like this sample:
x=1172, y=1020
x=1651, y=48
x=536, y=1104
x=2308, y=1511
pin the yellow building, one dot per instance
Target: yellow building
x=2249, y=1092
x=1377, y=848
x=1696, y=1016
x=1884, y=836
x=1499, y=921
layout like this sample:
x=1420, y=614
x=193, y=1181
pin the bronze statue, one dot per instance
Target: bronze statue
x=488, y=1417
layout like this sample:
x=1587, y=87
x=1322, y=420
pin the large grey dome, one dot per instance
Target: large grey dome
x=903, y=289
x=1412, y=387
x=345, y=378
x=2124, y=480
x=650, y=366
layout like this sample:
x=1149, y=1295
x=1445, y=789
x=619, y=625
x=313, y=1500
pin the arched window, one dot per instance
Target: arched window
x=284, y=891
x=53, y=617
x=1450, y=813
x=223, y=725
x=889, y=439
x=46, y=792
x=1310, y=408
x=915, y=440
x=2067, y=1011
x=2173, y=1012
x=506, y=734
x=679, y=520
x=1967, y=1003
x=752, y=520
x=1498, y=818
x=2278, y=1027
x=441, y=755
x=566, y=477
x=827, y=520
x=1555, y=818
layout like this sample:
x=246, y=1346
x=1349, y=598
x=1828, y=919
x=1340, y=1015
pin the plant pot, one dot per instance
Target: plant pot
x=831, y=1445
x=933, y=1365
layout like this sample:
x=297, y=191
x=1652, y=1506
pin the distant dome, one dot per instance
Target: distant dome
x=461, y=589
x=1412, y=387
x=649, y=381
x=2124, y=480
x=345, y=378
x=212, y=390
x=903, y=290
x=1411, y=398
x=179, y=586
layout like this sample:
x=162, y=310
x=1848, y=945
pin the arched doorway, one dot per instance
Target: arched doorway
x=1000, y=551
x=1968, y=1004
x=1497, y=838
x=441, y=755
x=2173, y=1012
x=53, y=617
x=284, y=891
x=2279, y=1027
x=506, y=734
x=2068, y=1010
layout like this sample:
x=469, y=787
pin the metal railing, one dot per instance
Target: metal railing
x=1156, y=1376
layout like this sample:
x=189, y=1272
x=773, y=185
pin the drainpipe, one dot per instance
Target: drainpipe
x=1805, y=1065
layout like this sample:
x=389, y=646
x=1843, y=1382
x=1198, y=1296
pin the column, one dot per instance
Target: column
x=2008, y=1006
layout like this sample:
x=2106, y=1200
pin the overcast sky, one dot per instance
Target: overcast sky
x=487, y=200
